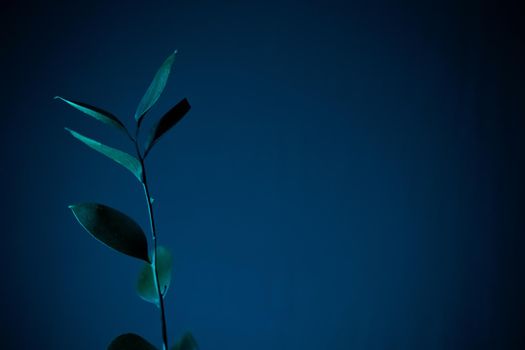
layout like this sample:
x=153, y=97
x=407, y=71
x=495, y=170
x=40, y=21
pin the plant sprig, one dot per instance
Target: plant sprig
x=120, y=232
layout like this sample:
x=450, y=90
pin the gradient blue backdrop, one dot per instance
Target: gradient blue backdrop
x=350, y=175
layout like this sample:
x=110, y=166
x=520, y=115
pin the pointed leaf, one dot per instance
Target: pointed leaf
x=95, y=112
x=172, y=117
x=186, y=342
x=156, y=87
x=126, y=160
x=146, y=288
x=130, y=341
x=113, y=228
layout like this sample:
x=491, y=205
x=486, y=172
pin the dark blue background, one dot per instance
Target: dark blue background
x=350, y=175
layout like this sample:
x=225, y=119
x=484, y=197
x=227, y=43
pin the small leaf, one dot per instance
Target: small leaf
x=146, y=288
x=156, y=87
x=126, y=160
x=96, y=113
x=113, y=228
x=172, y=117
x=130, y=341
x=186, y=342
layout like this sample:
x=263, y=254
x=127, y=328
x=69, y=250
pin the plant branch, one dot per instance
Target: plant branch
x=154, y=237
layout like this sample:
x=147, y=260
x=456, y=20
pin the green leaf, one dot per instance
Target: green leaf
x=130, y=341
x=113, y=228
x=172, y=117
x=126, y=160
x=186, y=342
x=96, y=113
x=156, y=87
x=146, y=288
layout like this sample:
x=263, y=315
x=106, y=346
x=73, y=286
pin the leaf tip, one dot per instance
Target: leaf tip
x=72, y=132
x=74, y=209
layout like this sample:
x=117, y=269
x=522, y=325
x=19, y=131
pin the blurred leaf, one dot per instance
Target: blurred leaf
x=126, y=160
x=146, y=288
x=172, y=117
x=186, y=342
x=156, y=87
x=130, y=341
x=113, y=228
x=96, y=113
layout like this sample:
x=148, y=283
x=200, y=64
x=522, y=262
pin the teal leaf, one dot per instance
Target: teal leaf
x=146, y=288
x=172, y=117
x=156, y=87
x=186, y=342
x=130, y=341
x=95, y=112
x=126, y=160
x=113, y=228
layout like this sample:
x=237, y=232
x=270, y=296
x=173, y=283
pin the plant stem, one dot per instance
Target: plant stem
x=154, y=237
